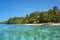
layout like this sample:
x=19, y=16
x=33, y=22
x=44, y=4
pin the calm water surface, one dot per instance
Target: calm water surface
x=24, y=32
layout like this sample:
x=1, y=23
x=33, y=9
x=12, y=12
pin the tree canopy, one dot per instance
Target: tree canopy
x=52, y=15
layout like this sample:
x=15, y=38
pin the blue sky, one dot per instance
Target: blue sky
x=11, y=8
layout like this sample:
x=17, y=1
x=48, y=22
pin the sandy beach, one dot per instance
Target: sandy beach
x=54, y=24
x=44, y=24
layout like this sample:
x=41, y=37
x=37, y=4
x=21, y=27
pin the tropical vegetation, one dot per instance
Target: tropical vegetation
x=50, y=16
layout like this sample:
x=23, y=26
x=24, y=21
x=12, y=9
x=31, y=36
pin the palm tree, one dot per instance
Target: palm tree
x=55, y=13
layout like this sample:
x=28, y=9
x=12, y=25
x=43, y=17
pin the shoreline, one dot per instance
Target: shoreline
x=44, y=24
x=38, y=24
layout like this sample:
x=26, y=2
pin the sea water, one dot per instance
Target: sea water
x=29, y=32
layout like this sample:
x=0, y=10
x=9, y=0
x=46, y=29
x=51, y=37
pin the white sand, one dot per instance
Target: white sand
x=44, y=24
x=33, y=24
x=55, y=24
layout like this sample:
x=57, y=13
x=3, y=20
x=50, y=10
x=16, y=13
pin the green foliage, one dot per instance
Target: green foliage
x=34, y=17
x=52, y=15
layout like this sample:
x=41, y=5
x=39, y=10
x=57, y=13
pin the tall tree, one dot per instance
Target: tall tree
x=55, y=13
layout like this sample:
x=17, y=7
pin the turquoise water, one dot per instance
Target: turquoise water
x=24, y=32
